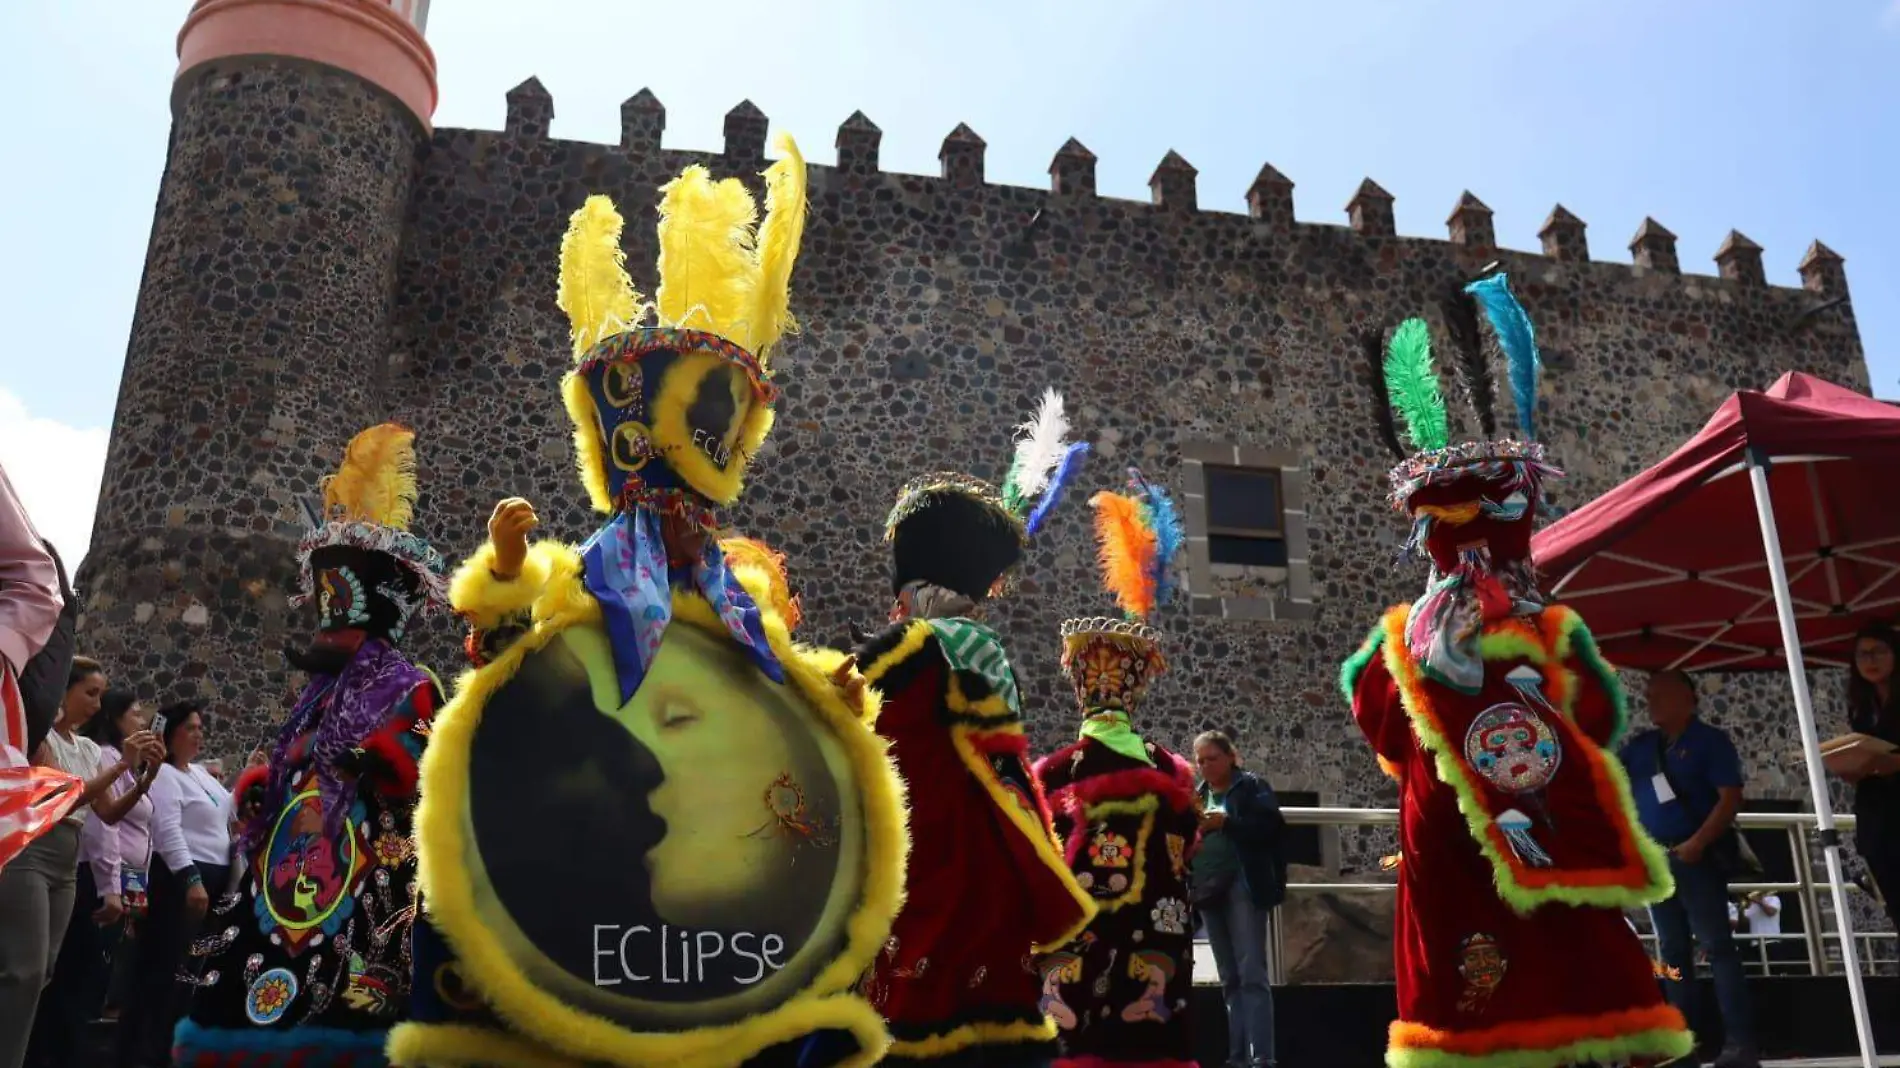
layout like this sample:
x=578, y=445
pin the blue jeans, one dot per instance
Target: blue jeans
x=1237, y=933
x=1698, y=915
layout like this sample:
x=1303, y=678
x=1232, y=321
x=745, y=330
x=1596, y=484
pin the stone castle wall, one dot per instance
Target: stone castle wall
x=935, y=310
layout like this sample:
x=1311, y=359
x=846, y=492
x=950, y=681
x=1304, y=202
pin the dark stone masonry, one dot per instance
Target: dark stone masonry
x=317, y=264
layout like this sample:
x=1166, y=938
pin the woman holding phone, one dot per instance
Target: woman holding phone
x=191, y=850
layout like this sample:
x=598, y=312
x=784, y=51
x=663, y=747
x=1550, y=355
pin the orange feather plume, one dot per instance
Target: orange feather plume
x=1126, y=548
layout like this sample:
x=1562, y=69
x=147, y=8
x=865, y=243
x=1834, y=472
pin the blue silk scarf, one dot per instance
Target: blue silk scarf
x=626, y=570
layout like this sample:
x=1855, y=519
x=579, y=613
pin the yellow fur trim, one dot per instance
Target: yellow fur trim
x=970, y=1034
x=673, y=433
x=1144, y=807
x=1041, y=836
x=376, y=482
x=595, y=292
x=484, y=600
x=416, y=1045
x=450, y=893
x=916, y=634
x=590, y=452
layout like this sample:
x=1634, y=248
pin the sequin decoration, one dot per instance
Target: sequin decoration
x=270, y=997
x=1513, y=748
x=1171, y=916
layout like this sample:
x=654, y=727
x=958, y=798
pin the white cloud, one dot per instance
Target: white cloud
x=55, y=469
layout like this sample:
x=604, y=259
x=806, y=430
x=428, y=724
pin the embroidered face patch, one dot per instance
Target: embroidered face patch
x=1513, y=748
x=1482, y=965
x=341, y=599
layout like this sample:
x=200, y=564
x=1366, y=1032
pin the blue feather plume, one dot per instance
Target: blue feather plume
x=1066, y=470
x=1519, y=342
x=1165, y=521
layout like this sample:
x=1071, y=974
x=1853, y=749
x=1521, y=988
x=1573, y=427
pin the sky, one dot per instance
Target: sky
x=1773, y=117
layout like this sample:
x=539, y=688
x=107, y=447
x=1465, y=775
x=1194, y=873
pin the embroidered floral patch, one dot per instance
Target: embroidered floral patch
x=1108, y=850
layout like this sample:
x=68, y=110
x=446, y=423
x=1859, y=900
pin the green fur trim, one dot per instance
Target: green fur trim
x=1659, y=1044
x=1448, y=764
x=1506, y=644
x=1355, y=664
x=1578, y=637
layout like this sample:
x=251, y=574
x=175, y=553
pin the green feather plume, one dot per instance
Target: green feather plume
x=1413, y=383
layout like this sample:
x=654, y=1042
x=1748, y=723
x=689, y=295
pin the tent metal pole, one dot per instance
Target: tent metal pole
x=1811, y=749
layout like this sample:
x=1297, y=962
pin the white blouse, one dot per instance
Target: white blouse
x=191, y=814
x=78, y=755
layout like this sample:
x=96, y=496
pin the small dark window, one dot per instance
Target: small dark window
x=1246, y=525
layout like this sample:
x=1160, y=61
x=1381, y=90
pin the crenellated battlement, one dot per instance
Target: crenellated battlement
x=1174, y=187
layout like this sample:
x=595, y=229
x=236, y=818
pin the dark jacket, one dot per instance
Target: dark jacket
x=1258, y=830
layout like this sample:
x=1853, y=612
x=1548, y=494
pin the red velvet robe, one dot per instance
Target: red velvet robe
x=986, y=886
x=1515, y=955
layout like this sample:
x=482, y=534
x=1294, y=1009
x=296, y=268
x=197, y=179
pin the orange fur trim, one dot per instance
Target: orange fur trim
x=1550, y=1033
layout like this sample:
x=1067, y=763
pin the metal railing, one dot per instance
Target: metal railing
x=1877, y=948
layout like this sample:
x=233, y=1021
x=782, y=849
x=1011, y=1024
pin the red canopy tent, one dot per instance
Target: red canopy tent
x=1769, y=538
x=1669, y=568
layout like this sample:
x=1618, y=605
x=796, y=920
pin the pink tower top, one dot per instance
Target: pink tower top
x=379, y=41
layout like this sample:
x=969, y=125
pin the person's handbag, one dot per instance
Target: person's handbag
x=1730, y=853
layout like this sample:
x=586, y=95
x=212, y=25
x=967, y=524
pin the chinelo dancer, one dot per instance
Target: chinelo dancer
x=1519, y=846
x=654, y=831
x=1125, y=809
x=309, y=963
x=987, y=887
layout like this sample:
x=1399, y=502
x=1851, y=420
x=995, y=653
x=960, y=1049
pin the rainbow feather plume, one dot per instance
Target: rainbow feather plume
x=1164, y=519
x=1512, y=325
x=1066, y=470
x=1412, y=383
x=1126, y=548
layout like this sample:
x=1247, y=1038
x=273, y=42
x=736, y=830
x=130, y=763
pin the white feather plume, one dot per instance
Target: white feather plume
x=1040, y=445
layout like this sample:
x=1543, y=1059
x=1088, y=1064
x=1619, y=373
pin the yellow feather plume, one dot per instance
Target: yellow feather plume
x=779, y=238
x=1126, y=548
x=707, y=265
x=595, y=292
x=377, y=480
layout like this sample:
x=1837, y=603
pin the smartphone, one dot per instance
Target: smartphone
x=158, y=730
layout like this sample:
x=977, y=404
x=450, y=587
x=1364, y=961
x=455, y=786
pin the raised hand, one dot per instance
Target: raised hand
x=508, y=531
x=850, y=684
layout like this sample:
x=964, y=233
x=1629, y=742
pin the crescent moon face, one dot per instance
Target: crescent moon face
x=684, y=859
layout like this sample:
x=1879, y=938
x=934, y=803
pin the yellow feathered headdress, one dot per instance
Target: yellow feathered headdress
x=377, y=480
x=368, y=505
x=725, y=292
x=721, y=269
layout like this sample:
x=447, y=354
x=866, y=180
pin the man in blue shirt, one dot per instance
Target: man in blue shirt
x=1687, y=782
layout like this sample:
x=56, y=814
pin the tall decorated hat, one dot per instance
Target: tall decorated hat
x=670, y=415
x=965, y=535
x=360, y=563
x=1110, y=661
x=1472, y=503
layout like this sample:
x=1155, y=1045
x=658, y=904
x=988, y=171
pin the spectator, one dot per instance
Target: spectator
x=1873, y=708
x=1687, y=780
x=191, y=852
x=111, y=884
x=36, y=889
x=1237, y=877
x=29, y=610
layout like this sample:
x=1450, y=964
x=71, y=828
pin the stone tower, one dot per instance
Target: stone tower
x=258, y=344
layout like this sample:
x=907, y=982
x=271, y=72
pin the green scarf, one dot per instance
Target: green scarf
x=970, y=646
x=1110, y=728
